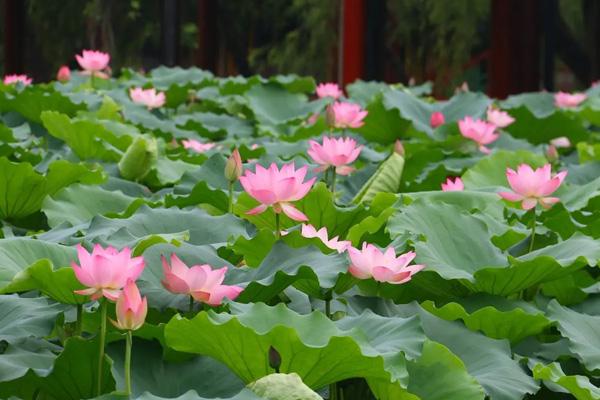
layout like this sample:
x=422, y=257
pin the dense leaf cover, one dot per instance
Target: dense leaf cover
x=485, y=319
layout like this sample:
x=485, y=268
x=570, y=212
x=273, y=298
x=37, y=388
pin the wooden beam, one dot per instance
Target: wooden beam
x=14, y=27
x=352, y=41
x=170, y=32
x=206, y=56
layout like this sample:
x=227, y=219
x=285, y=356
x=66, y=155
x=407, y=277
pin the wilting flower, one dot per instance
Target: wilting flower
x=309, y=232
x=436, y=119
x=63, y=74
x=12, y=79
x=453, y=186
x=233, y=166
x=329, y=90
x=93, y=61
x=568, y=100
x=106, y=271
x=131, y=309
x=499, y=118
x=337, y=153
x=199, y=281
x=561, y=142
x=197, y=146
x=346, y=115
x=479, y=131
x=531, y=187
x=277, y=188
x=370, y=262
x=149, y=97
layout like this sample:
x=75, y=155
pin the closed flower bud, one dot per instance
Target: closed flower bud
x=233, y=167
x=399, y=148
x=64, y=74
x=139, y=158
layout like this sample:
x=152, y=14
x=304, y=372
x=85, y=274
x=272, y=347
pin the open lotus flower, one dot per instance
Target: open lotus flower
x=499, y=118
x=436, y=119
x=453, y=186
x=346, y=115
x=199, y=281
x=531, y=187
x=148, y=97
x=336, y=153
x=197, y=146
x=131, y=309
x=12, y=79
x=309, y=232
x=106, y=271
x=93, y=61
x=479, y=131
x=63, y=74
x=568, y=100
x=329, y=90
x=277, y=188
x=370, y=262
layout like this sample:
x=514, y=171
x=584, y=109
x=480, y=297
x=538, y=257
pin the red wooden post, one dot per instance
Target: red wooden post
x=352, y=41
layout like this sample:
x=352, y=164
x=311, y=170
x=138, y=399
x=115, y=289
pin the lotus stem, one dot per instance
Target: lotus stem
x=277, y=226
x=230, y=197
x=102, y=341
x=92, y=80
x=532, y=232
x=79, y=321
x=334, y=175
x=128, y=345
x=191, y=304
x=332, y=386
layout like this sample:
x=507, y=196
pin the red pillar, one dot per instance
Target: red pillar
x=352, y=41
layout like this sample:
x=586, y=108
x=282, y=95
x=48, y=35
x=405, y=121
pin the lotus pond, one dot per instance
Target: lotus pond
x=250, y=238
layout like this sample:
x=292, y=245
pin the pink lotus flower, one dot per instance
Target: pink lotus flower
x=93, y=61
x=131, y=309
x=64, y=74
x=197, y=146
x=561, y=142
x=531, y=187
x=106, y=271
x=346, y=115
x=337, y=153
x=199, y=281
x=567, y=100
x=479, y=131
x=277, y=188
x=312, y=119
x=453, y=186
x=12, y=79
x=370, y=262
x=309, y=232
x=437, y=119
x=499, y=118
x=149, y=97
x=329, y=90
x=233, y=166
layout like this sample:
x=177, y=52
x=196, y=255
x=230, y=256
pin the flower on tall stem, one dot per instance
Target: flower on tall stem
x=131, y=313
x=498, y=117
x=346, y=115
x=277, y=188
x=105, y=272
x=531, y=187
x=329, y=90
x=93, y=63
x=568, y=100
x=233, y=171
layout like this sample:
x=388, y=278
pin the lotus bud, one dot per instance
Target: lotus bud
x=64, y=74
x=552, y=153
x=274, y=358
x=139, y=158
x=436, y=119
x=330, y=116
x=399, y=148
x=233, y=167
